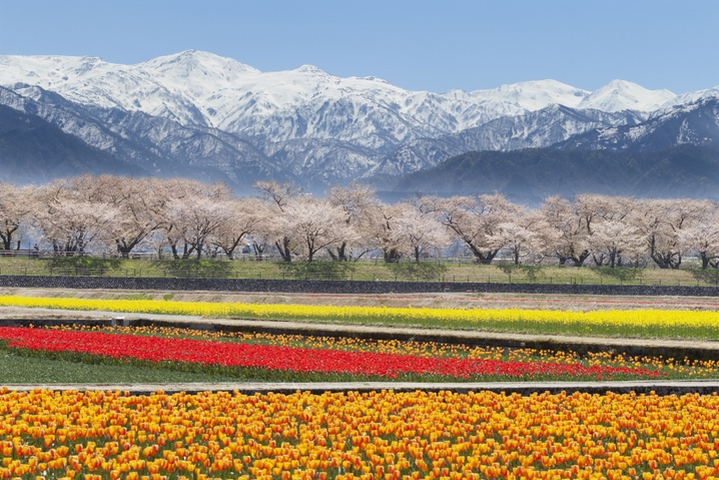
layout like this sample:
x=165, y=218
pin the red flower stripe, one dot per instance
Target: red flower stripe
x=205, y=352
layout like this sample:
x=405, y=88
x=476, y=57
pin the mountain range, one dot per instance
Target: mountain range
x=213, y=118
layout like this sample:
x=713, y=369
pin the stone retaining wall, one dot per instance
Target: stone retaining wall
x=343, y=286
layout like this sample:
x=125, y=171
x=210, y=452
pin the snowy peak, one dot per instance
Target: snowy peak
x=198, y=66
x=535, y=95
x=619, y=95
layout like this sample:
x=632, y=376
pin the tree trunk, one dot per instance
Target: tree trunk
x=598, y=261
x=284, y=248
x=667, y=260
x=579, y=259
x=6, y=237
x=341, y=254
x=391, y=255
x=259, y=250
x=483, y=258
x=706, y=260
x=187, y=251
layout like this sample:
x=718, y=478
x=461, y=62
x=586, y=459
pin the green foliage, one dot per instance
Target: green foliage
x=83, y=265
x=417, y=271
x=531, y=273
x=317, y=270
x=137, y=296
x=709, y=276
x=16, y=367
x=622, y=274
x=196, y=268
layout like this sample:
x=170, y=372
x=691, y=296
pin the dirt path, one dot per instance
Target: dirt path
x=431, y=300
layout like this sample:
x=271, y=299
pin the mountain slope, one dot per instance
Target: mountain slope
x=156, y=144
x=694, y=123
x=533, y=174
x=537, y=129
x=33, y=150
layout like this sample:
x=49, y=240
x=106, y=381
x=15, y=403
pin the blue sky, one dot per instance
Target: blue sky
x=418, y=45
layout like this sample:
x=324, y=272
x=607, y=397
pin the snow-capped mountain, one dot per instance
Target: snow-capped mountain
x=199, y=114
x=541, y=128
x=619, y=95
x=157, y=145
x=694, y=123
x=199, y=88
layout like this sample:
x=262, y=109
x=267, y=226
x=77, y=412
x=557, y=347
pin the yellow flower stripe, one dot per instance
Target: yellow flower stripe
x=704, y=324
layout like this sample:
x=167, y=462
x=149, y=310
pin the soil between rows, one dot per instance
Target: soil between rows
x=429, y=300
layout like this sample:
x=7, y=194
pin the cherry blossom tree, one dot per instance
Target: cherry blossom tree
x=16, y=206
x=190, y=212
x=661, y=223
x=615, y=240
x=475, y=221
x=612, y=236
x=71, y=218
x=355, y=203
x=277, y=196
x=417, y=232
x=140, y=205
x=197, y=221
x=313, y=224
x=382, y=219
x=243, y=216
x=521, y=235
x=566, y=237
x=703, y=237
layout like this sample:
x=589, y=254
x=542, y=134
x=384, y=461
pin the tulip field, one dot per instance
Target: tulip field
x=264, y=360
x=93, y=435
x=387, y=435
x=266, y=357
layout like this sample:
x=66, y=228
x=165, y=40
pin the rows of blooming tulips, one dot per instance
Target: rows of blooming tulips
x=298, y=360
x=387, y=435
x=665, y=367
x=651, y=323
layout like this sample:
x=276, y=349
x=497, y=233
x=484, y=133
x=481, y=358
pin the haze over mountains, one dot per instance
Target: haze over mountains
x=197, y=114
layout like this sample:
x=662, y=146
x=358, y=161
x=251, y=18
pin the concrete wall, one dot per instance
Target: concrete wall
x=342, y=287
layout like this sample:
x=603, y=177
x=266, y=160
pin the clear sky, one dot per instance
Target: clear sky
x=415, y=44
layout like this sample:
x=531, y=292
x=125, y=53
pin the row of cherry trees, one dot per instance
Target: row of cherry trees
x=187, y=218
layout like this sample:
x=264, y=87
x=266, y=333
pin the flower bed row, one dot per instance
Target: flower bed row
x=646, y=323
x=95, y=435
x=669, y=368
x=298, y=360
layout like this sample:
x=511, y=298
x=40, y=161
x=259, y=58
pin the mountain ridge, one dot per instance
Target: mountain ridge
x=214, y=118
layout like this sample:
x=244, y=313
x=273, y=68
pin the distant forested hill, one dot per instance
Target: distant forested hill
x=532, y=174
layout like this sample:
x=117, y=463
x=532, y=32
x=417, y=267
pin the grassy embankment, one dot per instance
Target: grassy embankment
x=449, y=271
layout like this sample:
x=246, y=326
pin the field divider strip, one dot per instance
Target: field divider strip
x=668, y=387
